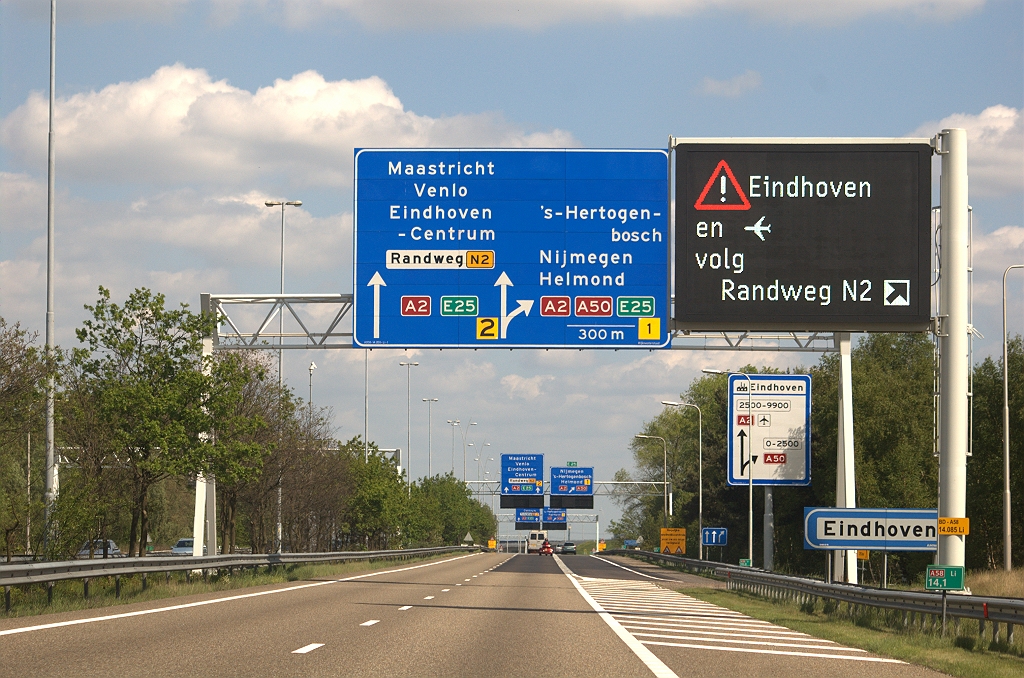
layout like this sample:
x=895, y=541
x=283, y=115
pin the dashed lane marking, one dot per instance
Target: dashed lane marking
x=404, y=608
x=428, y=597
x=445, y=590
x=307, y=648
x=370, y=622
x=655, y=616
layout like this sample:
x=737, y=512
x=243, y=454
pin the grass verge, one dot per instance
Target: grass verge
x=28, y=601
x=961, y=653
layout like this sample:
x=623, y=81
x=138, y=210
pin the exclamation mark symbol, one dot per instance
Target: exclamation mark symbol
x=722, y=185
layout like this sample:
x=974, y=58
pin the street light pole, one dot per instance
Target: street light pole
x=453, y=423
x=664, y=489
x=51, y=477
x=408, y=418
x=312, y=366
x=700, y=472
x=430, y=435
x=750, y=460
x=280, y=341
x=1007, y=557
x=465, y=432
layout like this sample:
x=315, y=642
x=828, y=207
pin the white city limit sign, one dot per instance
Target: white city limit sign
x=769, y=423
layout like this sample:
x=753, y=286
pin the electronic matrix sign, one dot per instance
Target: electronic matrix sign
x=803, y=235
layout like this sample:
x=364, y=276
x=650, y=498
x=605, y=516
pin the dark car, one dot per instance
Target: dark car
x=545, y=549
x=569, y=547
x=97, y=549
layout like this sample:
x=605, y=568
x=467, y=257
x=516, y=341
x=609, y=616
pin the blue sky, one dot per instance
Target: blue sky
x=176, y=119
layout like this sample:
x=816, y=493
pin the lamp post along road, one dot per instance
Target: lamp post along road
x=453, y=423
x=408, y=421
x=51, y=478
x=312, y=366
x=465, y=432
x=750, y=460
x=664, y=489
x=1007, y=557
x=700, y=472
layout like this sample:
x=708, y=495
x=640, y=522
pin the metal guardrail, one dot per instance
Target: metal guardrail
x=983, y=608
x=46, y=572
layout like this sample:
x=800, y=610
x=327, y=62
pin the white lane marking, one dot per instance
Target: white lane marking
x=307, y=648
x=370, y=622
x=881, y=660
x=687, y=629
x=630, y=570
x=183, y=606
x=465, y=580
x=405, y=607
x=657, y=667
x=428, y=597
x=458, y=584
x=803, y=646
x=445, y=590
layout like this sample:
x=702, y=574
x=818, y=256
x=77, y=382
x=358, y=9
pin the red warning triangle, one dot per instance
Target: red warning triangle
x=717, y=178
x=666, y=550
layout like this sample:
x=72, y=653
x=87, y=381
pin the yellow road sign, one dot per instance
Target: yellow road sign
x=673, y=540
x=863, y=555
x=961, y=526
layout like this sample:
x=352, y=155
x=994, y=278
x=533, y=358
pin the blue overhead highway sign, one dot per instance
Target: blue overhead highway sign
x=572, y=480
x=522, y=480
x=499, y=248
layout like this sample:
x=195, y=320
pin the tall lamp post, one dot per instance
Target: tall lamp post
x=750, y=462
x=480, y=457
x=465, y=432
x=664, y=489
x=453, y=423
x=408, y=420
x=700, y=472
x=1007, y=558
x=52, y=476
x=280, y=339
x=430, y=434
x=312, y=366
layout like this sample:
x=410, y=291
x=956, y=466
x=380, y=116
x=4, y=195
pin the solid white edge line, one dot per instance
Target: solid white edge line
x=139, y=613
x=850, y=658
x=603, y=560
x=307, y=648
x=657, y=667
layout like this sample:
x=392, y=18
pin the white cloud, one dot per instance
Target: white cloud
x=733, y=87
x=95, y=11
x=181, y=126
x=993, y=252
x=526, y=388
x=995, y=148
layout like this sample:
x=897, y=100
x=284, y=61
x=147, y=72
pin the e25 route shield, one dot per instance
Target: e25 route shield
x=503, y=248
x=803, y=235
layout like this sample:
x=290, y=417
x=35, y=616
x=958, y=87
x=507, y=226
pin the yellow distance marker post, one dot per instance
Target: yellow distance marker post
x=863, y=554
x=955, y=526
x=486, y=328
x=649, y=329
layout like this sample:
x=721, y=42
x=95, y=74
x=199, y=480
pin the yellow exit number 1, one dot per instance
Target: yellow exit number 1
x=650, y=329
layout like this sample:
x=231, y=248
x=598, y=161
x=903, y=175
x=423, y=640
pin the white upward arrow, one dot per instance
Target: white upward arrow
x=376, y=282
x=524, y=304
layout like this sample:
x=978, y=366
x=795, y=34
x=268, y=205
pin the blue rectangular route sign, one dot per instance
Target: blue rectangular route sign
x=554, y=515
x=572, y=480
x=528, y=515
x=504, y=248
x=714, y=536
x=522, y=474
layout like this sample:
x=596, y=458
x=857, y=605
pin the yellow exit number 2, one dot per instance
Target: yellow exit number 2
x=486, y=328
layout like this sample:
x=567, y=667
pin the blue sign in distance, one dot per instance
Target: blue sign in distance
x=770, y=425
x=572, y=480
x=714, y=536
x=500, y=248
x=846, y=529
x=522, y=474
x=528, y=515
x=554, y=515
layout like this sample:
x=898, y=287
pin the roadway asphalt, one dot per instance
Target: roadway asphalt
x=477, y=615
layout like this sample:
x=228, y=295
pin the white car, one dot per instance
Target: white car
x=184, y=547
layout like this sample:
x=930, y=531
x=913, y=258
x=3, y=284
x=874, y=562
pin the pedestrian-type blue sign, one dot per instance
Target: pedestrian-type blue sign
x=522, y=474
x=528, y=515
x=845, y=529
x=714, y=536
x=572, y=480
x=770, y=429
x=553, y=515
x=507, y=248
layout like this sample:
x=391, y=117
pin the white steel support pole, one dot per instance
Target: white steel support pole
x=769, y=529
x=845, y=562
x=953, y=340
x=52, y=485
x=1007, y=537
x=200, y=524
x=211, y=516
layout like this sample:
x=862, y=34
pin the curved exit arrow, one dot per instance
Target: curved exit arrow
x=524, y=304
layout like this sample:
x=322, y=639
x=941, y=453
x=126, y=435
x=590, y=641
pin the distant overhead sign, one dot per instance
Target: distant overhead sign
x=572, y=487
x=803, y=234
x=527, y=518
x=555, y=519
x=770, y=429
x=847, y=529
x=522, y=480
x=499, y=248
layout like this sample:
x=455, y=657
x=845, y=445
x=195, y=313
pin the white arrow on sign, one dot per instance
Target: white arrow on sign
x=524, y=304
x=376, y=282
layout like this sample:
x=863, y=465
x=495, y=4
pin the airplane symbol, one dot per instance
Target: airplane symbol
x=758, y=229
